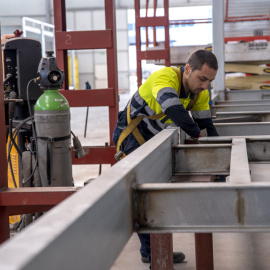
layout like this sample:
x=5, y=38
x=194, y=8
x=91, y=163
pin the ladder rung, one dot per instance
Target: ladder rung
x=78, y=40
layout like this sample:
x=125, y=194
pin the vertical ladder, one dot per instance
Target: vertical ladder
x=151, y=22
x=96, y=39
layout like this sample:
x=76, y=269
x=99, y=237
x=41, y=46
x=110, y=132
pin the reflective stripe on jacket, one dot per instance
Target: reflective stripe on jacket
x=160, y=92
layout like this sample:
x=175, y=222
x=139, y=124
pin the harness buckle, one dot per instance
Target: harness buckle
x=119, y=155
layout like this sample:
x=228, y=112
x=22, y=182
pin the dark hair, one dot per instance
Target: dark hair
x=201, y=57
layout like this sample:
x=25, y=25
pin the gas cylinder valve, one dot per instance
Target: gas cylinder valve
x=51, y=77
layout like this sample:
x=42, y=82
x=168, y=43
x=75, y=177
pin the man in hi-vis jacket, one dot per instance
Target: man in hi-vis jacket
x=166, y=97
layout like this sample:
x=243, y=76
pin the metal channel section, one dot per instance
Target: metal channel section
x=242, y=95
x=239, y=205
x=249, y=108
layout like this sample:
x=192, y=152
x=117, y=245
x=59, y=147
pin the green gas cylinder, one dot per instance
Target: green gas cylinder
x=52, y=123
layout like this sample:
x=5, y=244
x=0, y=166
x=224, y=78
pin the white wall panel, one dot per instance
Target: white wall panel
x=86, y=61
x=98, y=20
x=122, y=40
x=87, y=77
x=123, y=81
x=121, y=19
x=83, y=20
x=123, y=64
x=25, y=8
x=70, y=21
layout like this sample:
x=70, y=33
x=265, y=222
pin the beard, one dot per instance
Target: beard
x=191, y=89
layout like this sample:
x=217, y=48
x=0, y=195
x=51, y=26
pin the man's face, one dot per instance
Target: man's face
x=198, y=80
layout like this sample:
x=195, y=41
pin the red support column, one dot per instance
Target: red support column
x=4, y=223
x=151, y=22
x=138, y=42
x=60, y=26
x=112, y=70
x=204, y=251
x=161, y=251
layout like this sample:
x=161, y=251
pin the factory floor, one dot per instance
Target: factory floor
x=232, y=251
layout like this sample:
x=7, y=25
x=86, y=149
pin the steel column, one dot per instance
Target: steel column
x=218, y=43
x=60, y=26
x=112, y=70
x=161, y=251
x=4, y=225
x=204, y=251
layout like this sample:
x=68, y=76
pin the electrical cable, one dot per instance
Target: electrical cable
x=33, y=131
x=13, y=135
x=12, y=139
x=8, y=77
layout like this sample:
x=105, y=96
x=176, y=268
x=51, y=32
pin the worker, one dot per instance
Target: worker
x=165, y=98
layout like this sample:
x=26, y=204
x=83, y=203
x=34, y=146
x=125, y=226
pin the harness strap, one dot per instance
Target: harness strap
x=191, y=103
x=132, y=127
x=132, y=124
x=49, y=141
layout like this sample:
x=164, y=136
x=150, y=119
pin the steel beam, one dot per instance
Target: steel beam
x=242, y=102
x=94, y=97
x=29, y=200
x=259, y=107
x=207, y=207
x=239, y=168
x=243, y=95
x=202, y=159
x=96, y=220
x=248, y=116
x=243, y=129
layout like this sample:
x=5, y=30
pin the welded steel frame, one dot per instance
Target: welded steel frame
x=80, y=40
x=151, y=22
x=242, y=106
x=141, y=181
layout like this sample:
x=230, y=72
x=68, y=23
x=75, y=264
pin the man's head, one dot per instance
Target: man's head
x=199, y=71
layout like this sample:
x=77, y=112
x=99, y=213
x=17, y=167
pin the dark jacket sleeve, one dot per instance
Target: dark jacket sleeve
x=179, y=115
x=208, y=124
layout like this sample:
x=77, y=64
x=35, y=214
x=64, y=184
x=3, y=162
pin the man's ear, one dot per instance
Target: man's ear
x=187, y=69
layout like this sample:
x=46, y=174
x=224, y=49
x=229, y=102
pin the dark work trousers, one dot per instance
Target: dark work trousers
x=129, y=145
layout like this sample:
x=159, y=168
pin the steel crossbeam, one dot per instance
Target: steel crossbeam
x=243, y=128
x=241, y=108
x=207, y=207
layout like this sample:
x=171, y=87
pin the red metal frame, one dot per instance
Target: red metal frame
x=102, y=39
x=152, y=22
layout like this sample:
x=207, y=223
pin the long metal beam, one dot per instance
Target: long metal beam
x=242, y=102
x=243, y=129
x=243, y=95
x=207, y=207
x=249, y=116
x=95, y=220
x=241, y=108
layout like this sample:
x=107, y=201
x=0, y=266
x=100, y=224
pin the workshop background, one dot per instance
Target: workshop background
x=245, y=68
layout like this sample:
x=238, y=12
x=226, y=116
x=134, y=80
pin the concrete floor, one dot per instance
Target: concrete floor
x=245, y=251
x=232, y=251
